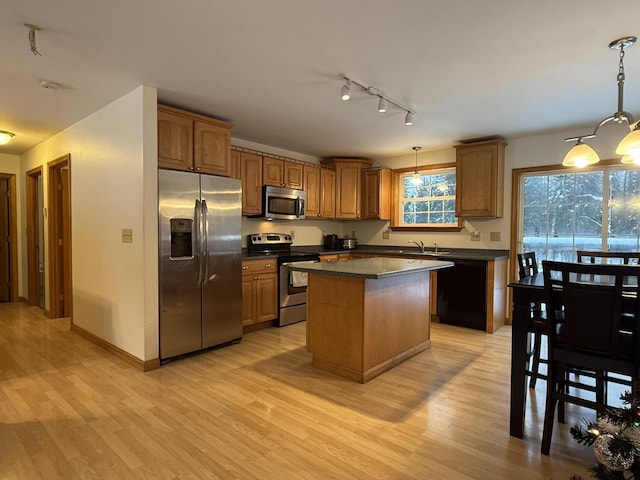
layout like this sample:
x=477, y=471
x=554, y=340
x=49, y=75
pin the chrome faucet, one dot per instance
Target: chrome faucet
x=435, y=247
x=419, y=244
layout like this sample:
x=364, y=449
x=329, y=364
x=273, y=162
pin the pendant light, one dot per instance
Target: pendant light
x=581, y=154
x=416, y=179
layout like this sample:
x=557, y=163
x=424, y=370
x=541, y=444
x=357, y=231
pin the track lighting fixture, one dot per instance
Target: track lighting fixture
x=408, y=119
x=383, y=100
x=382, y=105
x=5, y=137
x=416, y=179
x=346, y=91
x=582, y=154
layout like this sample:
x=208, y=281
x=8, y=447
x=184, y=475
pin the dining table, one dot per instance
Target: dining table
x=524, y=292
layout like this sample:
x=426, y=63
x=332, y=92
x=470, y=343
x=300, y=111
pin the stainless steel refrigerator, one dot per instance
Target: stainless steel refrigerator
x=200, y=223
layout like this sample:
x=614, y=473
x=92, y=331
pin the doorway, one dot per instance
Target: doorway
x=35, y=238
x=8, y=239
x=59, y=196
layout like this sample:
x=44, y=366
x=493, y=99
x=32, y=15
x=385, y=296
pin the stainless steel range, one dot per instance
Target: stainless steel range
x=292, y=286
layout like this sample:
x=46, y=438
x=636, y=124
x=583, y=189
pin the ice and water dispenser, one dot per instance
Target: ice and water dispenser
x=181, y=242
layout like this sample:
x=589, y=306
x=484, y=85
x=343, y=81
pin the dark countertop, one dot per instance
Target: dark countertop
x=406, y=252
x=372, y=268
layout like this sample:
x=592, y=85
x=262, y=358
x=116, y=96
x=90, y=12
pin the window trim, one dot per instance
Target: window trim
x=395, y=224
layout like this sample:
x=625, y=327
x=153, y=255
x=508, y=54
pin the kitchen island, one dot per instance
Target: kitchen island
x=368, y=315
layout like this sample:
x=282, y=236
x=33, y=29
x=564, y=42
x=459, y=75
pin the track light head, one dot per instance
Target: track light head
x=345, y=94
x=382, y=105
x=408, y=119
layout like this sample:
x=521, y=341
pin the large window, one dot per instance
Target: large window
x=431, y=204
x=562, y=212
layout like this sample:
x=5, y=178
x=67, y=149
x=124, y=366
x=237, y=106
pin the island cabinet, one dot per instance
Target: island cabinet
x=192, y=142
x=259, y=291
x=282, y=173
x=376, y=194
x=335, y=257
x=348, y=185
x=367, y=316
x=480, y=179
x=251, y=178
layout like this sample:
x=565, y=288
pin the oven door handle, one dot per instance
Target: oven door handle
x=286, y=264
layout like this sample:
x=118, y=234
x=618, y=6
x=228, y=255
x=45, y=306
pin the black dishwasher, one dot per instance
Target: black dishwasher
x=462, y=294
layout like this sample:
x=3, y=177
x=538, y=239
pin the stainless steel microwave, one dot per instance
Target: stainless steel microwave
x=283, y=203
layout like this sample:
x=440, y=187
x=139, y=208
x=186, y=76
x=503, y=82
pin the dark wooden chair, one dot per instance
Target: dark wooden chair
x=613, y=258
x=594, y=312
x=528, y=266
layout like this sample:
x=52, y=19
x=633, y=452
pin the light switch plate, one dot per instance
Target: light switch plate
x=475, y=236
x=385, y=234
x=127, y=235
x=494, y=236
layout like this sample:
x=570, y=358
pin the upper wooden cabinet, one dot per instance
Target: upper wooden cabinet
x=480, y=179
x=376, y=193
x=282, y=173
x=251, y=177
x=327, y=193
x=348, y=186
x=192, y=142
x=311, y=178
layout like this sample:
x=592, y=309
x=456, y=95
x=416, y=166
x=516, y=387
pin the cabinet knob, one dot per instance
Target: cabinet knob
x=256, y=278
x=245, y=267
x=197, y=169
x=268, y=265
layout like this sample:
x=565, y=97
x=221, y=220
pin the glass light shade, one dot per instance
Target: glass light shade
x=416, y=179
x=5, y=137
x=580, y=156
x=629, y=159
x=630, y=144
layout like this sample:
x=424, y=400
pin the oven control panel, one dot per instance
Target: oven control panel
x=270, y=238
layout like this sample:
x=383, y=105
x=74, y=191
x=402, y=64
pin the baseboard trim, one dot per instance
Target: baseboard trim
x=144, y=365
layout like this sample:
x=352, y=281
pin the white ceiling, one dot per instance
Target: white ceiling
x=469, y=68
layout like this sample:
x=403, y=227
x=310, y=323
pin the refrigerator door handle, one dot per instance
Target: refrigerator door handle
x=205, y=240
x=198, y=212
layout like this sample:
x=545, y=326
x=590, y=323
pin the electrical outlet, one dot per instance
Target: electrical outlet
x=494, y=236
x=293, y=234
x=475, y=236
x=385, y=234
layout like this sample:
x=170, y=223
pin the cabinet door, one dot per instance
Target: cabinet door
x=266, y=296
x=480, y=179
x=251, y=175
x=329, y=258
x=348, y=190
x=376, y=194
x=248, y=300
x=212, y=148
x=327, y=193
x=312, y=187
x=175, y=141
x=272, y=171
x=293, y=175
x=236, y=171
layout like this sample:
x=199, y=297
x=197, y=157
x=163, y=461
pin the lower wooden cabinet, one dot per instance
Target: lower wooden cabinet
x=335, y=257
x=259, y=291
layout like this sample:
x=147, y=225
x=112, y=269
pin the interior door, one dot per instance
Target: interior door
x=5, y=234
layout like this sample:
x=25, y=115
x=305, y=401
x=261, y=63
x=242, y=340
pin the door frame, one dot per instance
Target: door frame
x=33, y=235
x=13, y=236
x=60, y=287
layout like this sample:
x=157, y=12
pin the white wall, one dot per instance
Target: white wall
x=113, y=186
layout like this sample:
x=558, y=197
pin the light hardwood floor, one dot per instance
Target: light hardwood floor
x=258, y=410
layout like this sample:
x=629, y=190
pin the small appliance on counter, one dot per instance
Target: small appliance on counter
x=348, y=243
x=332, y=242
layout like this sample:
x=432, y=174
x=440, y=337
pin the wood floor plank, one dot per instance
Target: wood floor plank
x=259, y=410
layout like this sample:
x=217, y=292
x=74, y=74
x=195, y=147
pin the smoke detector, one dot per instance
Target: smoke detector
x=49, y=85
